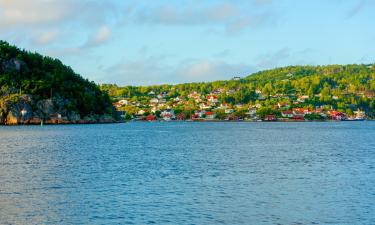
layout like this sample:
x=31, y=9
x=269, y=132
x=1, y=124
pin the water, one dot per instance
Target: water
x=188, y=173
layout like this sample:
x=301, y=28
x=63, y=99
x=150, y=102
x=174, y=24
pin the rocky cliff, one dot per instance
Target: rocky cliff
x=36, y=89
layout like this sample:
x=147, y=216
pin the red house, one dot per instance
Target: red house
x=210, y=115
x=150, y=117
x=335, y=115
x=270, y=118
x=180, y=116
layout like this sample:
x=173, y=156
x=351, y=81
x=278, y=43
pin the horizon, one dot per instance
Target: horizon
x=169, y=43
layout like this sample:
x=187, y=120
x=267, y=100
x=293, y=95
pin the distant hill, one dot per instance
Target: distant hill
x=342, y=87
x=36, y=88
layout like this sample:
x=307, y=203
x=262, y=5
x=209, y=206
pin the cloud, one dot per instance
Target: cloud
x=101, y=36
x=142, y=71
x=210, y=70
x=46, y=37
x=249, y=21
x=229, y=16
x=189, y=15
x=154, y=70
x=52, y=12
x=20, y=12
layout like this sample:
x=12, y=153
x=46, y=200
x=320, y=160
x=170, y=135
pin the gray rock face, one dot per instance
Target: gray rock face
x=16, y=112
x=45, y=108
x=12, y=64
x=15, y=109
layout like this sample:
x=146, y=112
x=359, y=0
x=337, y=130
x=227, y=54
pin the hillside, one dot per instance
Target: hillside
x=345, y=88
x=34, y=88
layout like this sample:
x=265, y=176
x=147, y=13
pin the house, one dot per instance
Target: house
x=302, y=98
x=195, y=95
x=252, y=111
x=198, y=114
x=154, y=101
x=162, y=101
x=334, y=97
x=150, y=117
x=218, y=91
x=270, y=118
x=359, y=114
x=210, y=115
x=162, y=95
x=180, y=116
x=299, y=117
x=204, y=106
x=301, y=111
x=231, y=91
x=287, y=113
x=151, y=93
x=320, y=111
x=212, y=99
x=123, y=102
x=336, y=115
x=117, y=105
x=259, y=92
x=224, y=106
x=168, y=115
x=236, y=78
x=141, y=112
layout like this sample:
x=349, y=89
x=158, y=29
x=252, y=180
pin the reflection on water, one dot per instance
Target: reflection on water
x=188, y=173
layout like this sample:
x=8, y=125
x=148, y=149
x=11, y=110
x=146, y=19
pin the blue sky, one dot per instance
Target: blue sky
x=157, y=42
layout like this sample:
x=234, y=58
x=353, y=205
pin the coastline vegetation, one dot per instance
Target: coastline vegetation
x=343, y=90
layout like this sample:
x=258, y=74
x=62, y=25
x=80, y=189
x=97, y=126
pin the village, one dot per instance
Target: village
x=207, y=107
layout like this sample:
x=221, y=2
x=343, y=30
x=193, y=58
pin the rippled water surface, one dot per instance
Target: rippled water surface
x=188, y=173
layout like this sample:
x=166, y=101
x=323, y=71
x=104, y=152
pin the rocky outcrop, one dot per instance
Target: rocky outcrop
x=16, y=109
x=11, y=65
x=21, y=109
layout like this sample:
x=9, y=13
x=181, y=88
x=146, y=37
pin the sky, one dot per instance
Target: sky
x=167, y=42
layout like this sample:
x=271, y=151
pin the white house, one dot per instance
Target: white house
x=154, y=101
x=123, y=102
x=168, y=115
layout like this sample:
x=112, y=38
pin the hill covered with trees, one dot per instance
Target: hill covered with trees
x=35, y=88
x=345, y=88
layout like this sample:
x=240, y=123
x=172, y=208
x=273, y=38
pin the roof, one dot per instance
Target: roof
x=287, y=112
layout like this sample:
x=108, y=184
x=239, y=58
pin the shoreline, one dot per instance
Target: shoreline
x=183, y=121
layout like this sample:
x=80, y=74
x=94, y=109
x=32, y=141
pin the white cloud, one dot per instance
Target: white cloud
x=209, y=70
x=231, y=18
x=101, y=36
x=154, y=70
x=20, y=12
x=46, y=37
